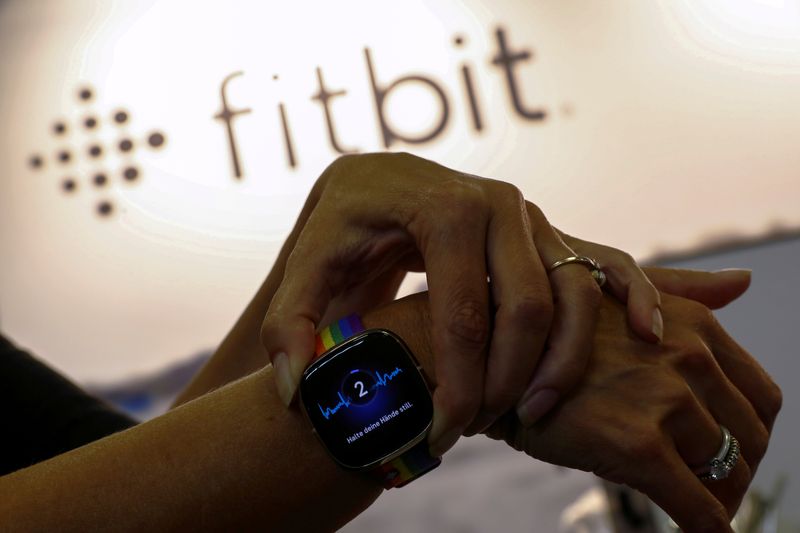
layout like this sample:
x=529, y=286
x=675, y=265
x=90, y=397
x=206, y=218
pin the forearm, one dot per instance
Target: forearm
x=234, y=458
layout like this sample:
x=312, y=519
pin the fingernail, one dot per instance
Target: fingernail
x=534, y=407
x=658, y=324
x=283, y=377
x=441, y=438
x=734, y=272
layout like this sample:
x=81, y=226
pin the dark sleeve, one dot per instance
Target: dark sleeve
x=44, y=414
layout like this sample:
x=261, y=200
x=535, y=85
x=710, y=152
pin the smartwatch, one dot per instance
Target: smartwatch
x=369, y=403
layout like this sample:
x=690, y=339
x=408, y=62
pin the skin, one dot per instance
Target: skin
x=164, y=478
x=652, y=406
x=655, y=410
x=575, y=298
x=392, y=212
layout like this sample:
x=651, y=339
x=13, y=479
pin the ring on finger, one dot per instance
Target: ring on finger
x=592, y=264
x=721, y=465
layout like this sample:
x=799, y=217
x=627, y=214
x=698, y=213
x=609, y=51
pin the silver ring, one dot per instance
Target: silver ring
x=593, y=266
x=721, y=465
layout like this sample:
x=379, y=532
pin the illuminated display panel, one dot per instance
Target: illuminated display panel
x=366, y=399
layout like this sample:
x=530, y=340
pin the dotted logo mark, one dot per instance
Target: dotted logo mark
x=100, y=173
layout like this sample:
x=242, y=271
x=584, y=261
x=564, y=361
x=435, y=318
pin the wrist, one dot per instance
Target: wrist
x=409, y=318
x=366, y=381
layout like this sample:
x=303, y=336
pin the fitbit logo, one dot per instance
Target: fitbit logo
x=80, y=146
x=506, y=61
x=83, y=162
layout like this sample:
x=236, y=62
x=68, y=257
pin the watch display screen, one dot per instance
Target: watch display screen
x=366, y=399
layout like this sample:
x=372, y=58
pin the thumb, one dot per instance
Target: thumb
x=287, y=332
x=712, y=289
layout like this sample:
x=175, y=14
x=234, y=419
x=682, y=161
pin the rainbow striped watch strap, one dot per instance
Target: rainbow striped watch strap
x=338, y=332
x=415, y=461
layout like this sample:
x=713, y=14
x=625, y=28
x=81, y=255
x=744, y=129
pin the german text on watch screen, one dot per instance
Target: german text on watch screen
x=366, y=399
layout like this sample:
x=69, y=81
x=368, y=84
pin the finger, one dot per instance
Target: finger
x=630, y=285
x=365, y=297
x=746, y=375
x=523, y=306
x=732, y=490
x=576, y=300
x=453, y=247
x=671, y=484
x=712, y=289
x=731, y=409
x=643, y=302
x=294, y=314
x=697, y=438
x=725, y=403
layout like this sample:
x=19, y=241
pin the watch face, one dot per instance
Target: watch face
x=366, y=399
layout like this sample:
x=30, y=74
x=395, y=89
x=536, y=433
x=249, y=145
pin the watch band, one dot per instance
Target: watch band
x=415, y=461
x=338, y=332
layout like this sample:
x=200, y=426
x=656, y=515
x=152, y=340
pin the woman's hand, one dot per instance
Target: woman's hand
x=639, y=288
x=646, y=415
x=372, y=217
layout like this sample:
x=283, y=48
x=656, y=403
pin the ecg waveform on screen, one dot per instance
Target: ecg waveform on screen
x=381, y=379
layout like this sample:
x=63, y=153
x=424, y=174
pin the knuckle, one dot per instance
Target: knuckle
x=456, y=201
x=675, y=402
x=681, y=400
x=623, y=259
x=533, y=306
x=338, y=168
x=536, y=215
x=670, y=395
x=648, y=446
x=773, y=399
x=509, y=193
x=468, y=324
x=700, y=315
x=696, y=359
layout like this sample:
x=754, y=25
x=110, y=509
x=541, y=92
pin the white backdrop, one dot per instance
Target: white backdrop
x=665, y=125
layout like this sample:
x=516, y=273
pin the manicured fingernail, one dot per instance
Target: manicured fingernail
x=658, y=324
x=441, y=438
x=535, y=406
x=283, y=377
x=734, y=272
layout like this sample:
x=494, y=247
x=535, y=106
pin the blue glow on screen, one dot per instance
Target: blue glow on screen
x=381, y=380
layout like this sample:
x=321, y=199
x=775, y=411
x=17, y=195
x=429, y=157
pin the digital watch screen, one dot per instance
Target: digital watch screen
x=366, y=399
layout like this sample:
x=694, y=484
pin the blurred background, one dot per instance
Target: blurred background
x=156, y=154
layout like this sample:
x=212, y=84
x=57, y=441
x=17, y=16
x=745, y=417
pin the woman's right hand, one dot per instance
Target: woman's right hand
x=370, y=217
x=647, y=415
